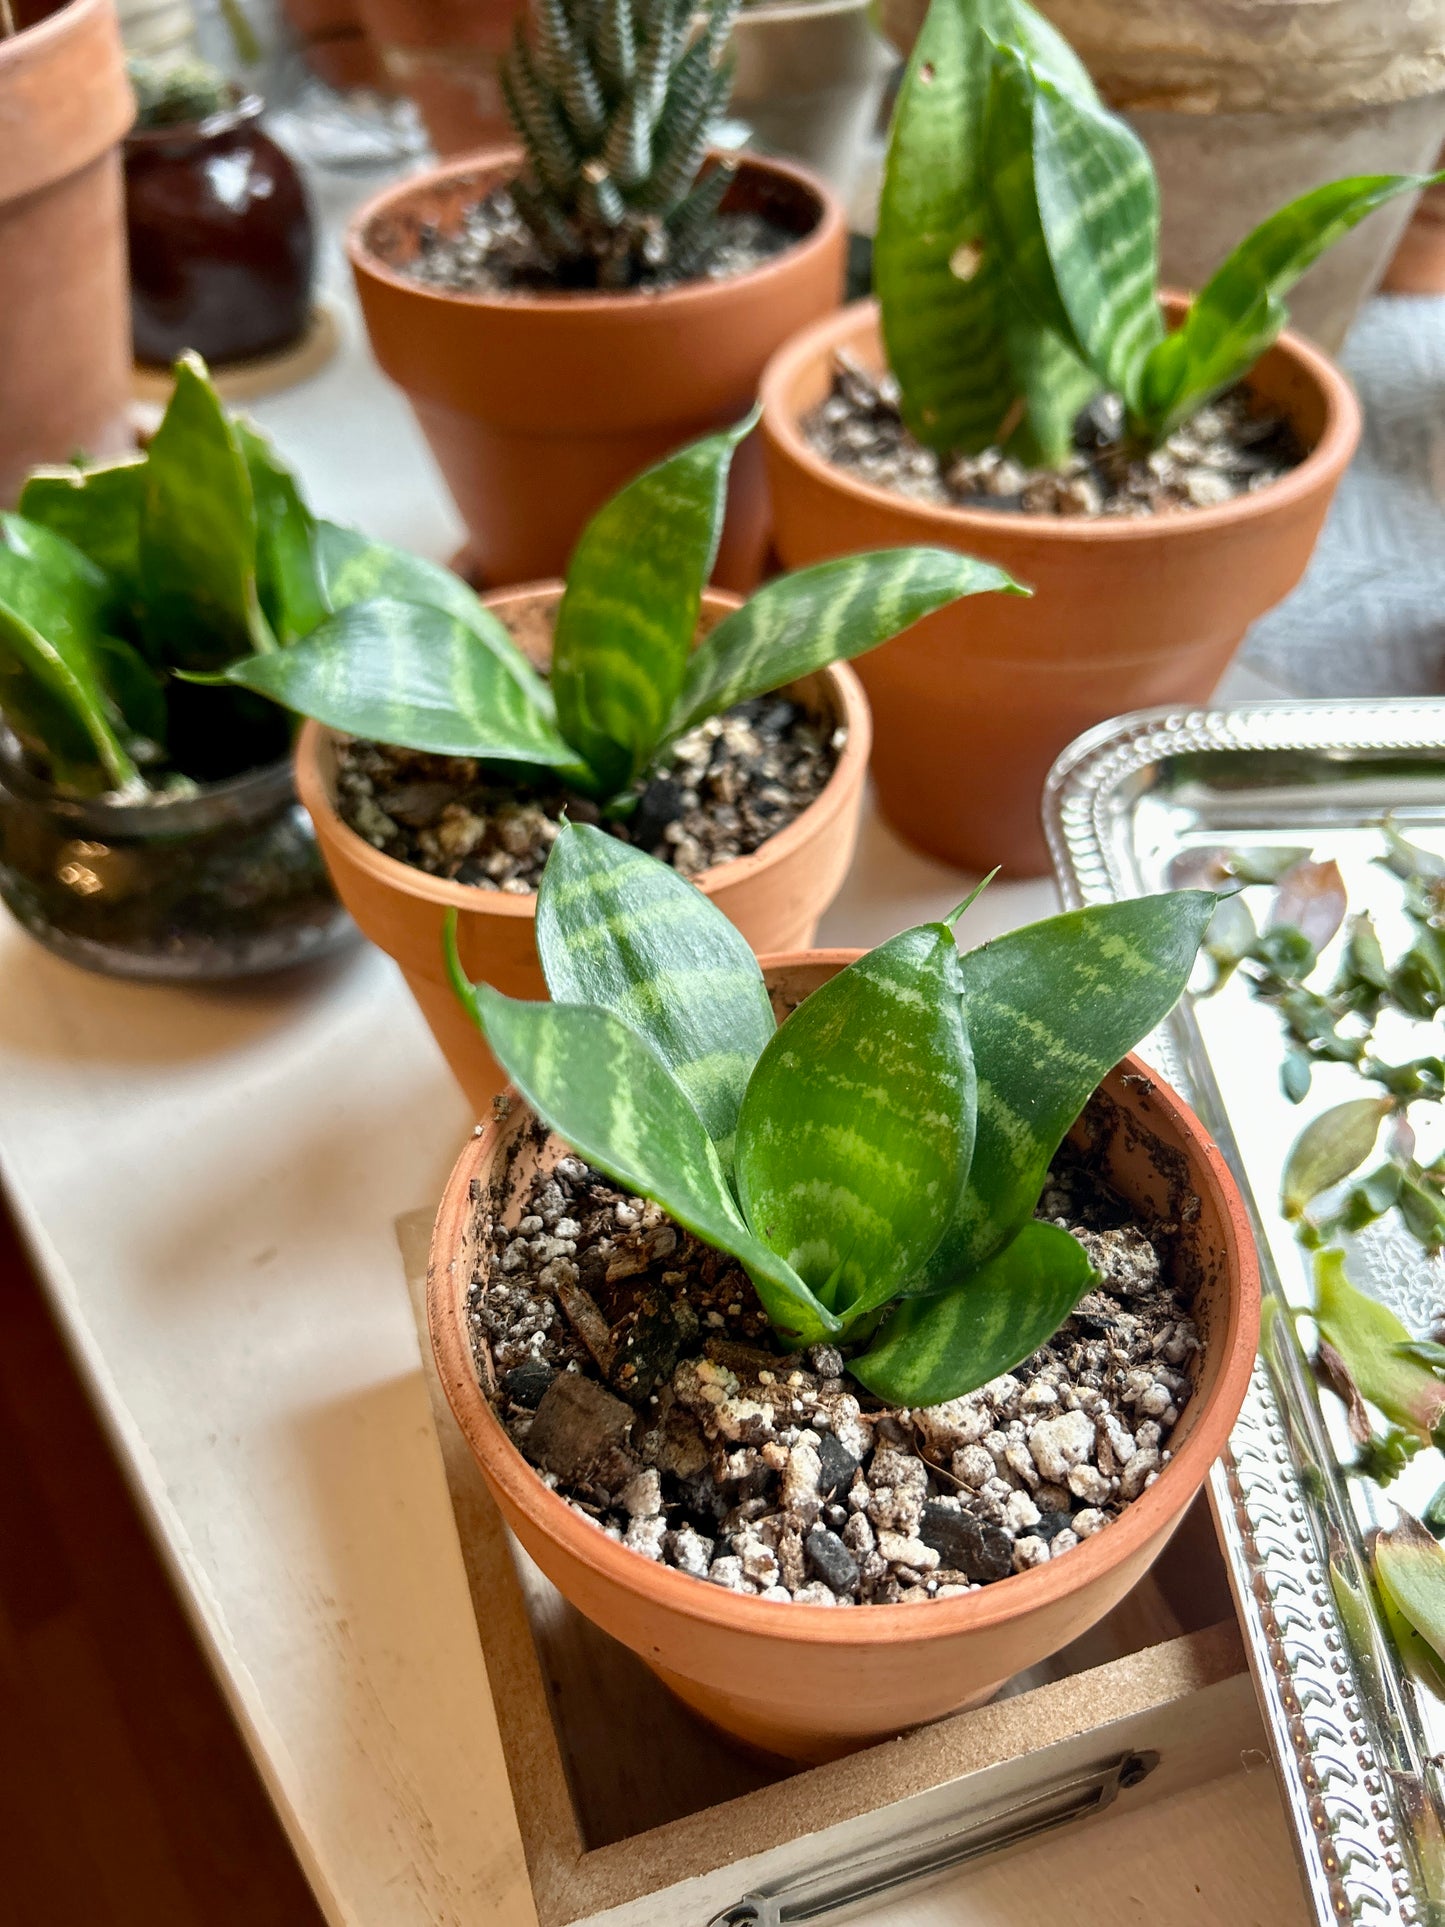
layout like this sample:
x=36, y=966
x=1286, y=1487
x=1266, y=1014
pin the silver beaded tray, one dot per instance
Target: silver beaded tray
x=1357, y=1740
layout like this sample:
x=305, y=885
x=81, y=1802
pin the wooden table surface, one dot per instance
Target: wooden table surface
x=208, y=1180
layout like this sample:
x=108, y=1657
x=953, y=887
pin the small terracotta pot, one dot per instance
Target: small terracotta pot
x=811, y=1682
x=776, y=896
x=538, y=408
x=222, y=249
x=334, y=42
x=444, y=54
x=64, y=321
x=973, y=704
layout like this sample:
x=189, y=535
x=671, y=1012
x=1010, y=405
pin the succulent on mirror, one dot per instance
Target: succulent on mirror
x=1017, y=255
x=875, y=1162
x=616, y=103
x=412, y=659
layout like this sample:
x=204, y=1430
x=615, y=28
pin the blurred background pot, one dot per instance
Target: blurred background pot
x=64, y=320
x=227, y=882
x=809, y=83
x=222, y=249
x=539, y=407
x=1418, y=266
x=334, y=42
x=443, y=54
x=1244, y=104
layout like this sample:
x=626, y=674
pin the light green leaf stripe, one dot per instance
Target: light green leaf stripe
x=829, y=613
x=201, y=608
x=1075, y=206
x=630, y=611
x=52, y=686
x=599, y=1086
x=934, y=1349
x=617, y=929
x=1050, y=1009
x=415, y=677
x=1240, y=309
x=857, y=1125
x=949, y=317
x=288, y=579
x=356, y=569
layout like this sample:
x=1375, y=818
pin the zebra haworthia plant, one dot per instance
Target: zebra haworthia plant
x=1017, y=258
x=416, y=661
x=875, y=1162
x=616, y=103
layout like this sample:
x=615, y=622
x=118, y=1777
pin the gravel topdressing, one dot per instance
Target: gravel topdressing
x=1226, y=450
x=491, y=250
x=633, y=1366
x=728, y=786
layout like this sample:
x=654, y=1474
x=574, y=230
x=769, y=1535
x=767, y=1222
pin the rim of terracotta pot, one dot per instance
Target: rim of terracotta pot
x=1322, y=466
x=850, y=709
x=942, y=1619
x=507, y=160
x=72, y=98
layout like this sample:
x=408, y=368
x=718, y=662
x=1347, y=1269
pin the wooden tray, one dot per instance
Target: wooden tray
x=634, y=1814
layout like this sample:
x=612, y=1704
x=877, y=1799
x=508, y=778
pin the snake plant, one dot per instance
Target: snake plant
x=875, y=1162
x=415, y=660
x=1017, y=257
x=616, y=103
x=117, y=580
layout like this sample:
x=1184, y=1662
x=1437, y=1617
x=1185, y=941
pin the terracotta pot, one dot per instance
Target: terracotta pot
x=806, y=1681
x=539, y=407
x=809, y=82
x=64, y=322
x=1245, y=104
x=222, y=249
x=776, y=896
x=444, y=53
x=972, y=705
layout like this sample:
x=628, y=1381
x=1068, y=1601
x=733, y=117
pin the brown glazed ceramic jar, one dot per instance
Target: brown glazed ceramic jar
x=222, y=248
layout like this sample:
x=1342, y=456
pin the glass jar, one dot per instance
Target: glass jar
x=226, y=882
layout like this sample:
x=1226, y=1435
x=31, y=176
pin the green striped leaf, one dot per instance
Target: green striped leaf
x=52, y=679
x=1050, y=1009
x=857, y=1125
x=934, y=1349
x=415, y=677
x=98, y=510
x=201, y=607
x=618, y=929
x=836, y=610
x=1240, y=309
x=288, y=577
x=1074, y=205
x=630, y=612
x=599, y=1086
x=950, y=319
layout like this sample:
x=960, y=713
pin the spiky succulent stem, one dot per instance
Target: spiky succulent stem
x=616, y=103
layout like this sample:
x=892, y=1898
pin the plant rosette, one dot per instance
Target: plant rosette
x=538, y=406
x=776, y=896
x=639, y=654
x=662, y=1066
x=971, y=708
x=1029, y=343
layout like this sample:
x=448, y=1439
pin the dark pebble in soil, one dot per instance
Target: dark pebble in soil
x=581, y=1434
x=965, y=1543
x=1050, y=1523
x=649, y=1352
x=831, y=1560
x=838, y=1466
x=525, y=1384
x=660, y=803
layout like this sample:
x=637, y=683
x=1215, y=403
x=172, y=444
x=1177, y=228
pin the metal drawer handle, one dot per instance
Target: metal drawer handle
x=824, y=1893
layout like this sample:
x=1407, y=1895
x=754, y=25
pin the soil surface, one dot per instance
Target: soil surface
x=727, y=786
x=633, y=1366
x=493, y=251
x=1225, y=450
